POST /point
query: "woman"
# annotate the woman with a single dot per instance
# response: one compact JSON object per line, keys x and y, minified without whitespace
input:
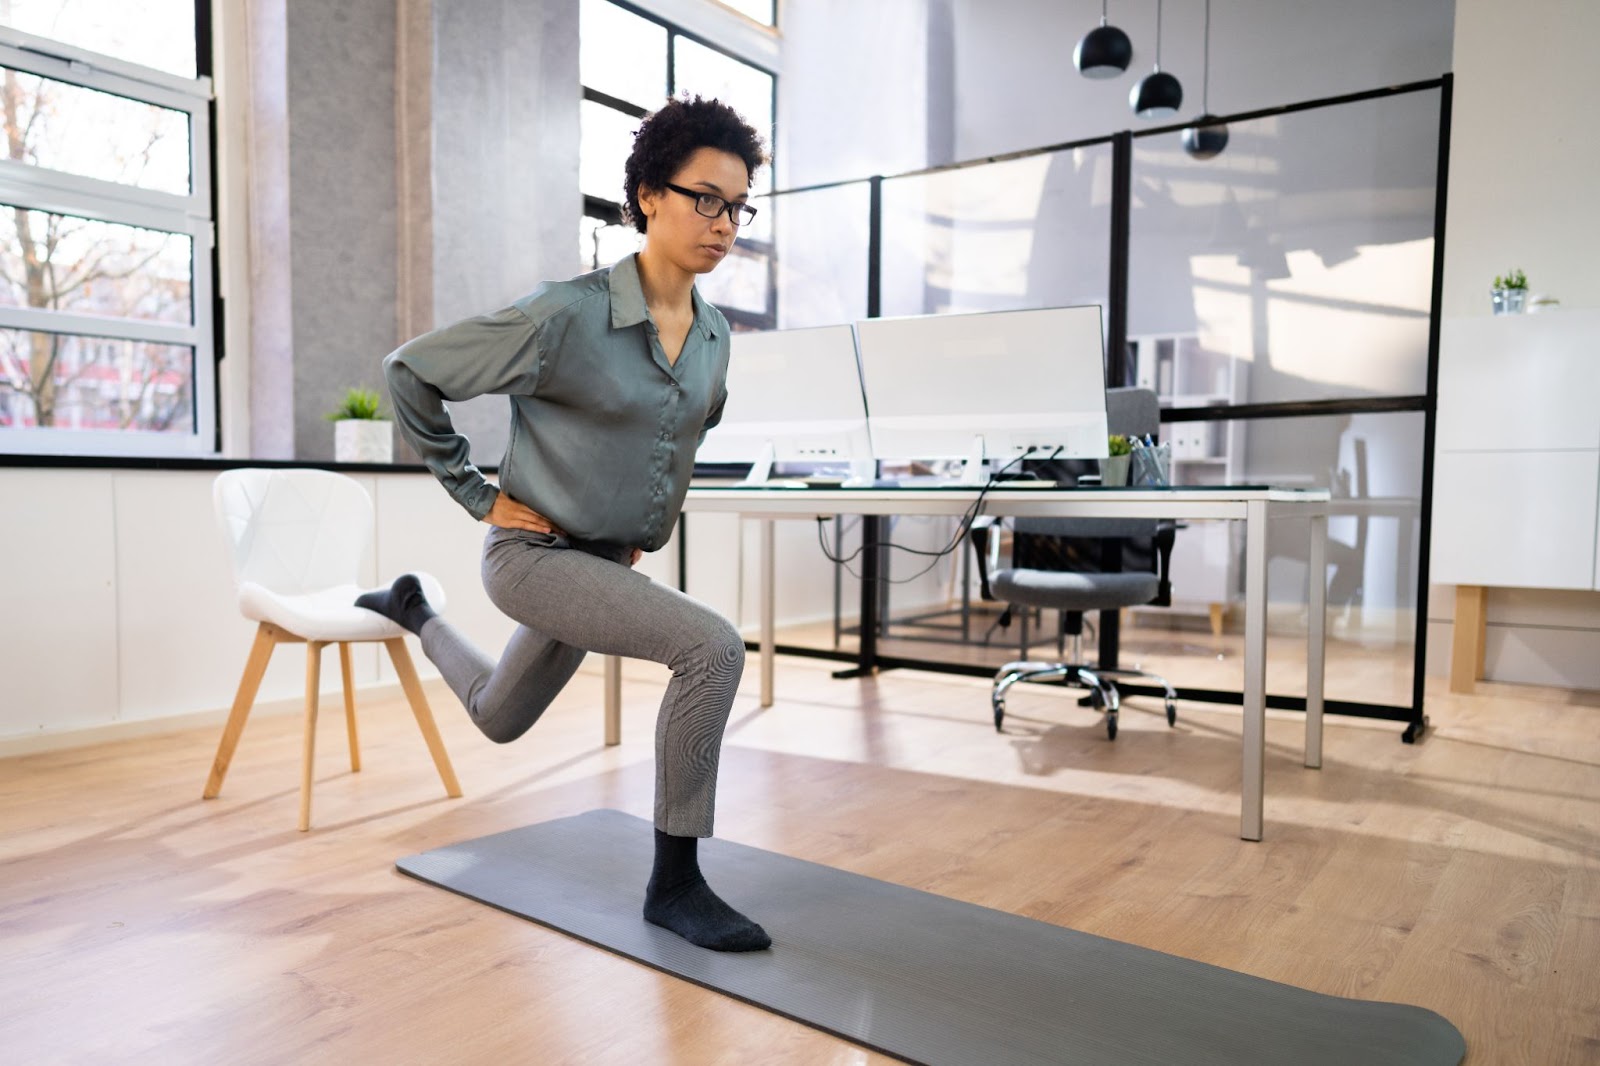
{"x":614,"y":377}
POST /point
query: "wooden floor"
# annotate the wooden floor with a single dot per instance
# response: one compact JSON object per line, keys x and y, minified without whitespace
{"x":142,"y":924}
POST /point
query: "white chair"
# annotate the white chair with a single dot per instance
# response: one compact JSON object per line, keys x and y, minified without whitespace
{"x":296,"y":539}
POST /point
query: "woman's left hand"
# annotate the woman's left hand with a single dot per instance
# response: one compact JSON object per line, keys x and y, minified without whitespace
{"x":633,"y":560}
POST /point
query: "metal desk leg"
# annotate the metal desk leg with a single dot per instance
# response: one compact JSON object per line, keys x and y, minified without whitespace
{"x":613,"y":671}
{"x":1316,"y":638}
{"x":769,"y":637}
{"x":1253,"y":740}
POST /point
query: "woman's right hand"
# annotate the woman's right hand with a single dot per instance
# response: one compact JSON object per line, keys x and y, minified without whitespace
{"x":509,"y":514}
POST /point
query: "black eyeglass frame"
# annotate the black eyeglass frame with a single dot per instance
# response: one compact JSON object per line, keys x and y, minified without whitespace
{"x":732,"y":208}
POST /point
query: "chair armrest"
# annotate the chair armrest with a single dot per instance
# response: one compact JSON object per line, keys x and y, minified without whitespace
{"x":1166,"y":533}
{"x":980,"y":536}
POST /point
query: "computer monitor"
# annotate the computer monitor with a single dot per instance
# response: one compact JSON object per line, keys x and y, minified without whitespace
{"x":794,"y":396}
{"x":988,"y":385}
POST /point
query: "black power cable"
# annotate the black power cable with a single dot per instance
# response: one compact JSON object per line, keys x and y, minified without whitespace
{"x":962,"y":529}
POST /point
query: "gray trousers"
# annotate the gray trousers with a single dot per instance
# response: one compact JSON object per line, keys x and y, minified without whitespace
{"x":570,"y":598}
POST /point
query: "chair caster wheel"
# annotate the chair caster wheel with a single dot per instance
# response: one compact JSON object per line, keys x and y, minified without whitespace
{"x":1172,"y":713}
{"x":999,"y":716}
{"x":1111,"y":726}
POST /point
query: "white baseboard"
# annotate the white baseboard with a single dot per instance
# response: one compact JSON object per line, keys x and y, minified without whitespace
{"x":215,"y":718}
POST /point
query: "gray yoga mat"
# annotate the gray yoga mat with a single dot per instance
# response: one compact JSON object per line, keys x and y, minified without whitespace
{"x":921,"y":977}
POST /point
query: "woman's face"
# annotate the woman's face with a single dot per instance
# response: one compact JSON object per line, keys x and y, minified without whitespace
{"x":676,"y":230}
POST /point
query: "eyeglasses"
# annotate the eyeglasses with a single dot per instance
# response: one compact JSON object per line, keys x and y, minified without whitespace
{"x":711,"y":205}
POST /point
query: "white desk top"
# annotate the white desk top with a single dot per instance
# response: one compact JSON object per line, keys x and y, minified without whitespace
{"x":1223,"y":501}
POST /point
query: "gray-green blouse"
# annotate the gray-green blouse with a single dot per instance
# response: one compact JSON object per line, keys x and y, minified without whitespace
{"x":603,"y":429}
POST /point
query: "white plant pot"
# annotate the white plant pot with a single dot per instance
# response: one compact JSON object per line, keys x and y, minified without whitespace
{"x":363,"y":440}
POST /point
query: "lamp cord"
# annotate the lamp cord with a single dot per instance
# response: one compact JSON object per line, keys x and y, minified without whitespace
{"x":1158,"y":35}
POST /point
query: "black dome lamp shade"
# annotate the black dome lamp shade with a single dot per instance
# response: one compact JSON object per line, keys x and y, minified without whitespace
{"x":1159,"y":95}
{"x":1104,"y":52}
{"x":1206,"y":138}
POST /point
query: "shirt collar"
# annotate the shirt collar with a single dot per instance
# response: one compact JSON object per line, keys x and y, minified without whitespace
{"x":627,"y":300}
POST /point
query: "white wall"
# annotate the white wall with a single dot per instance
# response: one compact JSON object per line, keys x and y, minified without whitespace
{"x":120,"y":607}
{"x":1523,"y":154}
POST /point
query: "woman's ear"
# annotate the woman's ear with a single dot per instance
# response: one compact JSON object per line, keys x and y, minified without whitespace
{"x":648,"y":198}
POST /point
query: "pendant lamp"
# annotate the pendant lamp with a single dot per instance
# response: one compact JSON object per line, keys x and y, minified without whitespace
{"x":1159,"y":95}
{"x":1206,"y":139}
{"x":1104,"y":52}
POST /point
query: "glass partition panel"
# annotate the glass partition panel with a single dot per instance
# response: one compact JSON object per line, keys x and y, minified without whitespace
{"x":1022,"y":233}
{"x":820,"y":248}
{"x":1296,"y":265}
{"x":1372,"y":465}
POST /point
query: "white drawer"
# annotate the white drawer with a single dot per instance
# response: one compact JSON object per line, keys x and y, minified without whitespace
{"x":1523,"y":519}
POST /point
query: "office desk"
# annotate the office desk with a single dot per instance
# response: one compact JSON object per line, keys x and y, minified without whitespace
{"x":1255,"y":506}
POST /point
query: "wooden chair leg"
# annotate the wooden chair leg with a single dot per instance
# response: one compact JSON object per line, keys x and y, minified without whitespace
{"x":1467,"y":642}
{"x":419,"y":707}
{"x":243,"y":700}
{"x":350,"y":706}
{"x":313,"y":684}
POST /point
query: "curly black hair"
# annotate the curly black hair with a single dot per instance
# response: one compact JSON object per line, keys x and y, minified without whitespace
{"x":671,"y":135}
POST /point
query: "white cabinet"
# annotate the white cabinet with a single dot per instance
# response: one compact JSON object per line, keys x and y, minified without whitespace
{"x":1517,"y":452}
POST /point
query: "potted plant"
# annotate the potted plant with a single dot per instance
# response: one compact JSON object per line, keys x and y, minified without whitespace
{"x":1114,"y":471}
{"x":1509,"y":293}
{"x":360,"y":432}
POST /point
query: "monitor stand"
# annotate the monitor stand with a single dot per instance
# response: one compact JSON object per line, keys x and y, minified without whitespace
{"x":972,"y":472}
{"x":761,"y":469}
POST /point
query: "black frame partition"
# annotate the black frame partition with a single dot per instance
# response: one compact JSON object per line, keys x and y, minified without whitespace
{"x":866,"y":659}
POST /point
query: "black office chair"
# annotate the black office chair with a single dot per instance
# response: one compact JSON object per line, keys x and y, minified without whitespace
{"x":1058,"y":564}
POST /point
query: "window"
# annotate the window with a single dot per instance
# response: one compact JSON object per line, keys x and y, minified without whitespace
{"x":630,"y":62}
{"x":106,"y":259}
{"x":762,"y":11}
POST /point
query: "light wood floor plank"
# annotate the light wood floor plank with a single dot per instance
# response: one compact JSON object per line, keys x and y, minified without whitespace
{"x":141,"y":924}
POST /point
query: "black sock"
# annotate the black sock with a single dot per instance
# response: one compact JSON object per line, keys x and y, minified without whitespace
{"x":679,"y":899}
{"x":402,"y":603}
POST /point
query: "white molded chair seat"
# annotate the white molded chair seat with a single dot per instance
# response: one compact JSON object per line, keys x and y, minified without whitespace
{"x":297,"y":538}
{"x":329,"y":614}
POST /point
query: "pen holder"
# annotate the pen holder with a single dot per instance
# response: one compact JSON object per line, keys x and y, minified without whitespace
{"x":1152,"y":466}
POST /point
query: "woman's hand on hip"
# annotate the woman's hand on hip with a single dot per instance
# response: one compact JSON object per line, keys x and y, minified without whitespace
{"x":509,"y":514}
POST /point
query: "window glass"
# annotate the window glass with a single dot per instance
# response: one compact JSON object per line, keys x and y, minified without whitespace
{"x":152,"y":33}
{"x":706,"y":72}
{"x":601,"y":244}
{"x":97,"y":135}
{"x":607,"y":139}
{"x":60,"y":263}
{"x":622,"y":54}
{"x":72,"y":382}
{"x":761,"y":11}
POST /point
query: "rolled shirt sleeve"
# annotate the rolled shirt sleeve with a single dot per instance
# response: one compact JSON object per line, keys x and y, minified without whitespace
{"x":488,"y":354}
{"x":713,"y":418}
